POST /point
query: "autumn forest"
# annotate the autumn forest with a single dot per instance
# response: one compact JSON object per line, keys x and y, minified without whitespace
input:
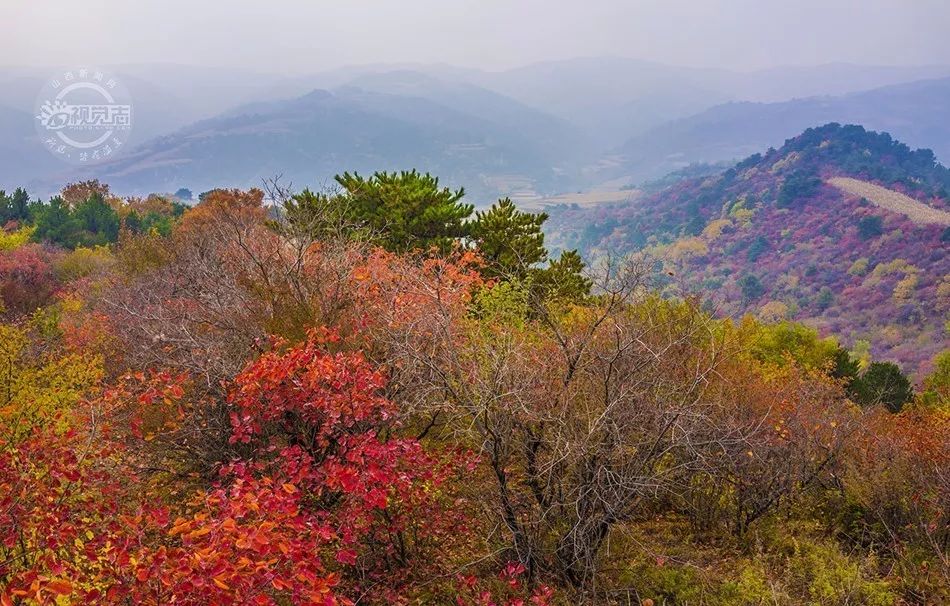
{"x":372,"y":393}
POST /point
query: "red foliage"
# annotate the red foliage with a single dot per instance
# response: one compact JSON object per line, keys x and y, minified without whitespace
{"x":326,"y":499}
{"x":61,"y":528}
{"x":26,"y":278}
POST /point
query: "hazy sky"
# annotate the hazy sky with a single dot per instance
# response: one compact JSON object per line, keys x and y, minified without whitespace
{"x":296,"y":36}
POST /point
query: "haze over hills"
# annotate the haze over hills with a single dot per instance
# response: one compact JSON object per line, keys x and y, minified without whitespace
{"x":534,"y":131}
{"x":842,"y":228}
{"x":311,"y":138}
{"x":617,"y":98}
{"x":917,"y":113}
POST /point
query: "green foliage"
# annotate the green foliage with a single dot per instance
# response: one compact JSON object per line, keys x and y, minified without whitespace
{"x":824,"y":576}
{"x":778,"y":343}
{"x":936,"y":391}
{"x":870,"y":227}
{"x":758,"y":247}
{"x":505,"y":304}
{"x":317,"y":215}
{"x":751,"y":288}
{"x":825,"y":298}
{"x":15,"y":207}
{"x":151,"y":222}
{"x":751,"y":588}
{"x":669,"y":584}
{"x":406,"y":210}
{"x":510,"y":241}
{"x":92,"y":222}
{"x":845,"y":367}
{"x":798,"y":187}
{"x":882,"y":383}
{"x":563,"y":279}
{"x":97,"y":221}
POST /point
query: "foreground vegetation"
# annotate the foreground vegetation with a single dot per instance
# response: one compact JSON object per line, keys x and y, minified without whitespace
{"x":374,"y":396}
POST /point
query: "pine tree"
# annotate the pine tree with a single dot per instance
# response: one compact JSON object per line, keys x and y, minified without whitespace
{"x":563,"y":279}
{"x":406,"y":210}
{"x":510,"y":241}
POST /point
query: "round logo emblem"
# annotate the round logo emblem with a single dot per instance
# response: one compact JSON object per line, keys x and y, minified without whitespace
{"x":84,"y":116}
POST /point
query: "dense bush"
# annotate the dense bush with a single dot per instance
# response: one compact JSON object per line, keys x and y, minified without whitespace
{"x":271,"y":408}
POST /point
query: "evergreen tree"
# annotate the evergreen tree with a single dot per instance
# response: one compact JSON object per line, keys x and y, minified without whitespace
{"x":132,"y":222}
{"x":882,"y":383}
{"x":563,"y":279}
{"x":5,"y":208}
{"x":98,"y":222}
{"x":510,"y":241}
{"x":20,"y":205}
{"x":15,"y":207}
{"x":751,"y":288}
{"x":92,"y":222}
{"x":316,"y":215}
{"x":406,"y":210}
{"x":54,"y":223}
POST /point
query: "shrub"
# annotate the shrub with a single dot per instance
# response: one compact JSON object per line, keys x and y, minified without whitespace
{"x":870,"y":227}
{"x":27,"y":280}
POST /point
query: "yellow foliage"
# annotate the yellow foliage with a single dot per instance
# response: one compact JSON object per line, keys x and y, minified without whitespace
{"x":785,"y":162}
{"x":687,"y":247}
{"x":773,"y":311}
{"x":862,"y":352}
{"x":715,"y":228}
{"x":859,"y":267}
{"x":743,"y":216}
{"x":943,"y":293}
{"x":36,"y":385}
{"x":904,"y":290}
{"x":895,"y":266}
{"x":84,"y":262}
{"x":16,"y":239}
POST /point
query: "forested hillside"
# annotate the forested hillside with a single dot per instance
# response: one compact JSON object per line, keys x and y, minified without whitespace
{"x":379,"y":396}
{"x":842,"y":228}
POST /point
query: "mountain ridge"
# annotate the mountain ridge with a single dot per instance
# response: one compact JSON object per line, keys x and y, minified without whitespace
{"x":771,"y":237}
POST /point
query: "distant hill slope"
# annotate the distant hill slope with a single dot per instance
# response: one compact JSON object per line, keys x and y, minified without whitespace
{"x":615,"y":98}
{"x":772,"y":237}
{"x":311,"y":138}
{"x":579,"y":110}
{"x":917,"y":113}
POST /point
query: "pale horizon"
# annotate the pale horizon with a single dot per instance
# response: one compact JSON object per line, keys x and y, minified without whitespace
{"x":738,"y":35}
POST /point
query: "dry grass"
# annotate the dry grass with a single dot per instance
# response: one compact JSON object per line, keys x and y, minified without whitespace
{"x":888,"y":199}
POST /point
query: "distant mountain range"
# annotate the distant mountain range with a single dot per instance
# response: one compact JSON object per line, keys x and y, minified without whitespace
{"x":840,"y":227}
{"x":542,"y":129}
{"x":311,"y":138}
{"x":916,"y":112}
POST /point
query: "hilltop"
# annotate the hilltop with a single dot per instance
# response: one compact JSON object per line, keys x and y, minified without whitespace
{"x":314,"y":136}
{"x":841,"y":227}
{"x":917,"y":113}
